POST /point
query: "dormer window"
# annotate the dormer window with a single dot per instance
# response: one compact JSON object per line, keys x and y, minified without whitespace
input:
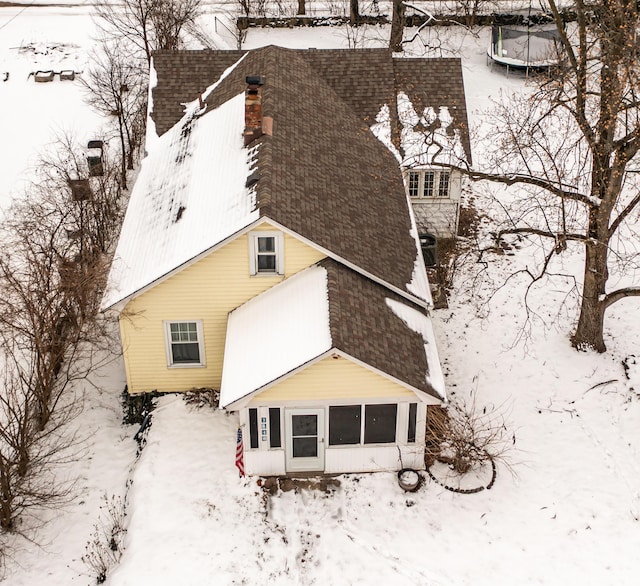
{"x":428,"y":183}
{"x":266,"y":253}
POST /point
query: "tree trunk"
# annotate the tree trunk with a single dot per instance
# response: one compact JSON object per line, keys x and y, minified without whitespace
{"x":354,"y":13}
{"x":397,"y":26}
{"x":123,"y":151}
{"x":589,"y":331}
{"x":6,"y":495}
{"x":302,"y":8}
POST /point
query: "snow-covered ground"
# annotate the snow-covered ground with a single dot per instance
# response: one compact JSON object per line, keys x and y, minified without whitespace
{"x":34,"y":115}
{"x":569,"y":513}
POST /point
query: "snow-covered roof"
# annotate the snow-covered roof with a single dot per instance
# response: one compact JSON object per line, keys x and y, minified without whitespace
{"x":328,"y":307}
{"x":427,"y":137}
{"x":189,"y":196}
{"x":421,"y":324}
{"x":322,"y":174}
{"x":275,"y":333}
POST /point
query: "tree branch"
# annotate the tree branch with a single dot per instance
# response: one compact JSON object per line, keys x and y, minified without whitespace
{"x":615,"y":296}
{"x":567,"y":192}
{"x":624,"y":214}
{"x":543,"y":233}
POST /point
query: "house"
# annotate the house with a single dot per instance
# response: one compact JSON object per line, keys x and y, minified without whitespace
{"x":269,"y":251}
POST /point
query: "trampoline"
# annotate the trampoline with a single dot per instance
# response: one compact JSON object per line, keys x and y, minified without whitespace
{"x":524,"y":41}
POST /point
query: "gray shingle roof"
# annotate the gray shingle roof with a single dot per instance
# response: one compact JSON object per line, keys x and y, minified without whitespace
{"x":326,"y":176}
{"x":365,"y":79}
{"x":323,"y":174}
{"x":363,"y":326}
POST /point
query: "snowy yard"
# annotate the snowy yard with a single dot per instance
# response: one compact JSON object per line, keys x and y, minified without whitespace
{"x":567,"y":513}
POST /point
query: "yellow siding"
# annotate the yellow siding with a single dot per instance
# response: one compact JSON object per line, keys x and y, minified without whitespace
{"x":333,"y":379}
{"x":207,"y":290}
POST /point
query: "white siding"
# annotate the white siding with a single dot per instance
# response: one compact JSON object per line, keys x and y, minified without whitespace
{"x":373,"y":459}
{"x":266,"y":461}
{"x":440,"y":216}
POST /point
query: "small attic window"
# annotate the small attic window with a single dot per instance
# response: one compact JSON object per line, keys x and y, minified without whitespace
{"x":266,"y":253}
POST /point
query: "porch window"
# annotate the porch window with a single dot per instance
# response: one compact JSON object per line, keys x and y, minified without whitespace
{"x":266,"y":253}
{"x":253,"y":428}
{"x":413,"y":416}
{"x":275,"y":434}
{"x":184,"y":341}
{"x":344,"y":425}
{"x":380,"y":423}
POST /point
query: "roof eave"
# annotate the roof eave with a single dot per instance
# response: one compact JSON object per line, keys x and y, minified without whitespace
{"x":428,"y":397}
{"x":122,"y":302}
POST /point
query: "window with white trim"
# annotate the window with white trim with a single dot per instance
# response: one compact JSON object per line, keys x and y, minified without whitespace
{"x":362,"y":424}
{"x":185,"y":343}
{"x":266,"y":253}
{"x":413,"y":420}
{"x":428,"y":183}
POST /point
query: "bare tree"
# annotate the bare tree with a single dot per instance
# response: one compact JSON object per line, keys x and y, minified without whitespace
{"x":117,"y":87}
{"x":29,"y":457}
{"x":151,"y":25}
{"x":130,"y":21}
{"x":52,"y":269}
{"x":571,"y":147}
{"x":467,"y":437}
{"x":53,"y":266}
{"x":171,"y":19}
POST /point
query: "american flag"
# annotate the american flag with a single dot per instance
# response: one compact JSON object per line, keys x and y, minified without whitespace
{"x":240,"y":453}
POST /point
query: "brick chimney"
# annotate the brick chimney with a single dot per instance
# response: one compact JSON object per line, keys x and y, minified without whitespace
{"x":253,"y":109}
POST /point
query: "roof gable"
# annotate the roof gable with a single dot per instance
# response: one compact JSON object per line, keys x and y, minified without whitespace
{"x":276,"y":332}
{"x":176,"y":211}
{"x":327,"y":308}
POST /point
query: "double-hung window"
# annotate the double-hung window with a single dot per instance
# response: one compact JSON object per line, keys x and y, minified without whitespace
{"x":428,"y":183}
{"x":266,"y":253}
{"x":185,"y":343}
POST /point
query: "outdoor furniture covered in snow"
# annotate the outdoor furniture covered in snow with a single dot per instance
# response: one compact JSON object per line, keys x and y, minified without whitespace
{"x":43,"y":76}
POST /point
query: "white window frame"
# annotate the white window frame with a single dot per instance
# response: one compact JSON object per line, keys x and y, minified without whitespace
{"x":253,"y":252}
{"x":169,"y":346}
{"x":438,"y":175}
{"x":400,"y":423}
